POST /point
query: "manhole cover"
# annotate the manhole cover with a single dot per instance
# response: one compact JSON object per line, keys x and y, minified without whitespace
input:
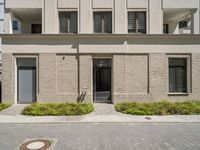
{"x":37,"y":144}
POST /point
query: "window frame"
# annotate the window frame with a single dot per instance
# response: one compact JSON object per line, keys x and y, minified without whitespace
{"x":188,"y":74}
{"x":102,"y":13}
{"x":136,"y":21}
{"x":68,"y":13}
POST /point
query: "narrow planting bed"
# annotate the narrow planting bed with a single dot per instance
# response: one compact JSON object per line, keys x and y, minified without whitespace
{"x":4,"y":106}
{"x":58,"y":109}
{"x":159,"y":108}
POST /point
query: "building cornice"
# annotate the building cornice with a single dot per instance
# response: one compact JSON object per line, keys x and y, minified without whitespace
{"x":100,"y":35}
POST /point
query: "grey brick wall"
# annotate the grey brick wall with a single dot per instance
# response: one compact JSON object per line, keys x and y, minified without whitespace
{"x":46,"y":77}
{"x":57,"y":78}
{"x":135,"y":77}
{"x":7,"y":78}
{"x":119,"y":78}
{"x":86,"y":76}
{"x":158,"y":76}
{"x":137,"y":74}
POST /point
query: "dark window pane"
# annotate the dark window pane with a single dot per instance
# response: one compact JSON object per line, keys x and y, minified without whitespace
{"x":97,"y":23}
{"x":141,"y":22}
{"x":73,"y":22}
{"x":108,"y":22}
{"x":172,"y":79}
{"x":166,"y":28}
{"x":136,"y":22}
{"x":63,"y":22}
{"x":177,"y":62}
{"x":15,"y":25}
{"x":36,"y":28}
{"x":177,"y":75}
{"x":103,"y":22}
{"x":101,"y":63}
{"x":181,"y":79}
{"x":131,"y":22}
{"x":183,"y":24}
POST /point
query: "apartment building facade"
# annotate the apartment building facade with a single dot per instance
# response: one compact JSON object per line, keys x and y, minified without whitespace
{"x":101,"y":50}
{"x":1,"y":23}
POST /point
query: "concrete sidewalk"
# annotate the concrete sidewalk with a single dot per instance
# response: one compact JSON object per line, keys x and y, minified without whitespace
{"x":104,"y":113}
{"x":14,"y":110}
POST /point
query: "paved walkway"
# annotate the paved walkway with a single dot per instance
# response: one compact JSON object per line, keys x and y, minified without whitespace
{"x":104,"y":109}
{"x":103,"y":113}
{"x":14,"y":110}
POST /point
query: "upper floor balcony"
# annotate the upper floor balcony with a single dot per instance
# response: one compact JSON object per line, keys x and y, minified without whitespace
{"x":102,"y":16}
{"x":23,"y":16}
{"x":180,"y":16}
{"x":178,"y":21}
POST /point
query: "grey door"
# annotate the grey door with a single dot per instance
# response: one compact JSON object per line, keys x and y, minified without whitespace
{"x":26,"y":84}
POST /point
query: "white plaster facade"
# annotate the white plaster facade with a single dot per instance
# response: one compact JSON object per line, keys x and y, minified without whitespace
{"x":139,"y":61}
{"x":46,"y":13}
{"x":1,"y":26}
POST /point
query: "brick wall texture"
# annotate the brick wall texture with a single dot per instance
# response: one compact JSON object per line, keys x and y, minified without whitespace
{"x":135,"y":77}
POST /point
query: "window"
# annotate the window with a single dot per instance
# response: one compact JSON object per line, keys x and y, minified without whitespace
{"x":183,"y":24}
{"x":103,"y":22}
{"x":136,"y":22}
{"x":178,"y":75}
{"x":15,"y":25}
{"x":68,"y":22}
{"x":166,"y":28}
{"x":36,"y":28}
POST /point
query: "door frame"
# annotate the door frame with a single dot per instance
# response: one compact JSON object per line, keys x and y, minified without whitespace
{"x":111,"y":78}
{"x":26,"y":68}
{"x":15,"y":70}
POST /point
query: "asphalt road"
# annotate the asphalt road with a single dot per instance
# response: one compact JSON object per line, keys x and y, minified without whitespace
{"x":106,"y":136}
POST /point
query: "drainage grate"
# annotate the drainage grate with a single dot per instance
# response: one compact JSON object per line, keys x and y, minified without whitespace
{"x":148,"y":118}
{"x":37,"y":144}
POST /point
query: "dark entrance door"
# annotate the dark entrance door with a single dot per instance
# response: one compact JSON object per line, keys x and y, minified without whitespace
{"x":102,"y":80}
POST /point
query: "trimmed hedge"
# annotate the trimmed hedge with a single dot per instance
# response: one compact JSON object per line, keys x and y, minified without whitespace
{"x":58,"y":109}
{"x":159,"y":108}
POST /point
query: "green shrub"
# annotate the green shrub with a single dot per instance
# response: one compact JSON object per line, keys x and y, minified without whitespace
{"x":58,"y":109}
{"x":4,"y":106}
{"x":159,"y":108}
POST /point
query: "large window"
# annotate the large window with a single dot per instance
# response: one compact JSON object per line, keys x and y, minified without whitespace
{"x":177,"y":75}
{"x":136,"y":22}
{"x":103,"y":22}
{"x":68,"y":22}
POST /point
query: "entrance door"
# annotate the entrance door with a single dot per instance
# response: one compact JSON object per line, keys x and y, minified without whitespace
{"x":26,"y":81}
{"x":102,"y":80}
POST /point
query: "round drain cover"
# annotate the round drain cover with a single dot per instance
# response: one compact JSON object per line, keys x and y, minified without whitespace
{"x":38,"y":144}
{"x":35,"y":145}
